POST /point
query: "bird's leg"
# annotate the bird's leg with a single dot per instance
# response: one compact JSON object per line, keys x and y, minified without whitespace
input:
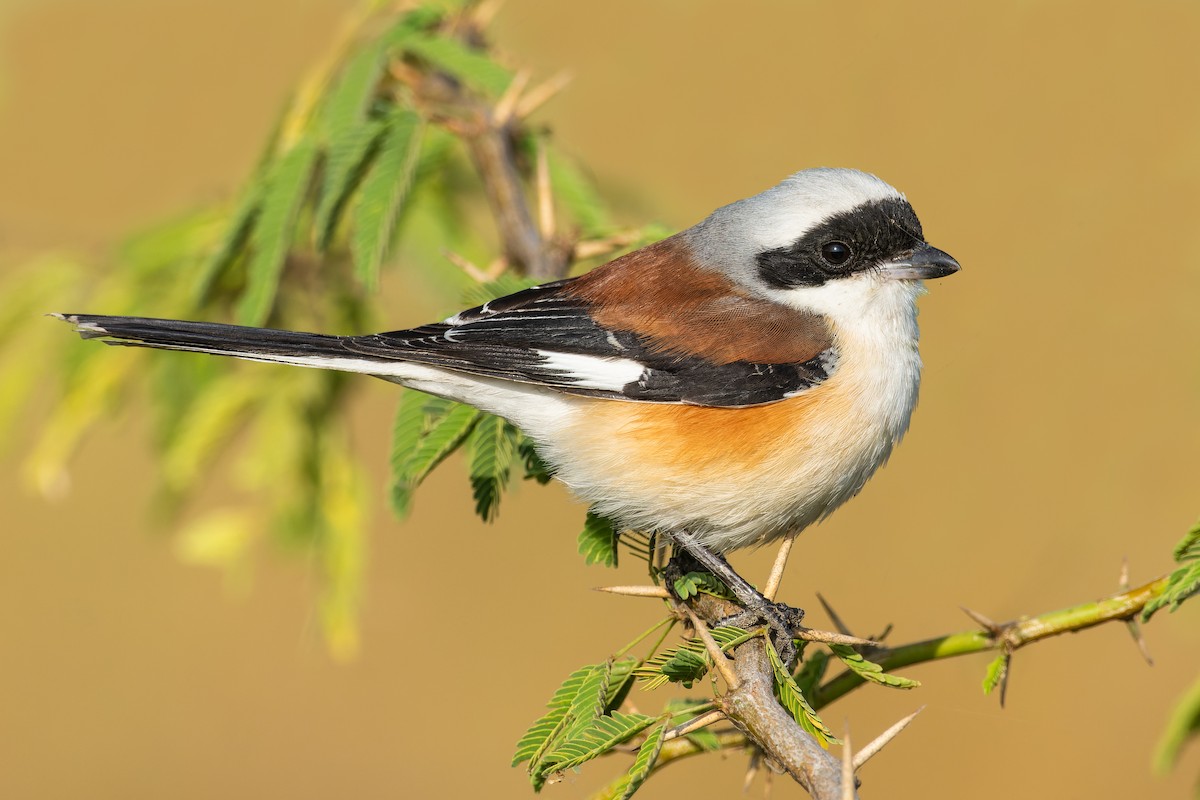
{"x":781,"y":618}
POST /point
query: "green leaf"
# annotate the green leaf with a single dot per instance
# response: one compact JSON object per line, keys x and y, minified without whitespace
{"x":211,"y":418}
{"x":690,"y":661}
{"x":347,"y":160}
{"x":508,"y":283}
{"x":1184,"y":582}
{"x":683,"y":709}
{"x":589,"y":693}
{"x":427,"y":429}
{"x":602,"y":735}
{"x":694,"y":583}
{"x":382,"y":194}
{"x":647,"y":756}
{"x":598,"y":540}
{"x":812,"y":671}
{"x":869,"y":670}
{"x":535,"y":468}
{"x":493,"y":449}
{"x":792,"y":699}
{"x":578,"y":194}
{"x":995,"y":673}
{"x":472,"y":67}
{"x":287,"y":186}
{"x":1183,"y":725}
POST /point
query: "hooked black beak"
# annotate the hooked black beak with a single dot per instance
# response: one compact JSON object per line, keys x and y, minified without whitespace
{"x":924,"y":263}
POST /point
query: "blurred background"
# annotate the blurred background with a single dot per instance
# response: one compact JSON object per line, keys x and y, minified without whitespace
{"x":1050,"y":147}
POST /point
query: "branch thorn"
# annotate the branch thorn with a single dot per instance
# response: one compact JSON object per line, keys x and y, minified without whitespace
{"x":777,"y":568}
{"x":833,"y":616}
{"x":988,"y":625}
{"x":541,"y":93}
{"x":847,"y":765}
{"x":882,"y":740}
{"x":636,"y":591}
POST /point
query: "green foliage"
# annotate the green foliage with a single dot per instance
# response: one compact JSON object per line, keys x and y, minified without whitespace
{"x":598,"y":540}
{"x":493,"y":449}
{"x":468,"y":65}
{"x":690,"y":661}
{"x":427,"y":429}
{"x":647,"y":756}
{"x":1183,"y":725}
{"x":812,"y":671}
{"x":683,"y":709}
{"x":284,"y":191}
{"x":868,"y":670}
{"x":576,"y":712}
{"x":694,"y":583}
{"x":1184,"y":582}
{"x":381,"y":199}
{"x":790,"y":696}
{"x":997,"y":669}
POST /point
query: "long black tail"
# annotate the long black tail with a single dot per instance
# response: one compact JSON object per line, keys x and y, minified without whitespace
{"x":256,"y":344}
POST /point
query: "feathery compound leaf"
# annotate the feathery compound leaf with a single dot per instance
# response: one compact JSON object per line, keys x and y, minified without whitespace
{"x":869,"y":670}
{"x":598,"y":540}
{"x":585,"y":697}
{"x":1183,"y":582}
{"x":493,"y":447}
{"x":384,"y":188}
{"x":646,"y":758}
{"x":469,"y":66}
{"x":602,"y":735}
{"x":810,"y":674}
{"x":793,"y":700}
{"x":347,"y":160}
{"x":273,"y":232}
{"x":427,"y":430}
{"x":689,"y":662}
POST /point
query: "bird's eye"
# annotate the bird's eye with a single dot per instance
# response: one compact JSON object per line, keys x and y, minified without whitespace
{"x":835,"y":253}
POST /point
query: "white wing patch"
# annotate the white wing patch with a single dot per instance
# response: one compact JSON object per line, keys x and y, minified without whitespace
{"x":592,"y":372}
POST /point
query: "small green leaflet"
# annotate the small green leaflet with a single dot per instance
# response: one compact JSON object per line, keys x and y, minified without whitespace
{"x":598,"y":540}
{"x":689,"y":662}
{"x":793,"y":700}
{"x":273,"y":231}
{"x":383,"y":191}
{"x":535,"y":468}
{"x":1183,"y":582}
{"x":492,"y":446}
{"x":694,"y":583}
{"x":869,"y":670}
{"x":995,"y":673}
{"x":427,"y":430}
{"x":471,"y":67}
{"x":347,"y":159}
{"x":646,"y":757}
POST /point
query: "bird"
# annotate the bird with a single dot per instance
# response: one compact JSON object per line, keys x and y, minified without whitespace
{"x":726,"y":386}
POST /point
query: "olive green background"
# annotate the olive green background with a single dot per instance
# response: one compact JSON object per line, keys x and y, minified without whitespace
{"x":1053,"y":148}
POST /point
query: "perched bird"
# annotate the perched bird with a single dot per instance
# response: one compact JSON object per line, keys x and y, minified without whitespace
{"x":727,"y":385}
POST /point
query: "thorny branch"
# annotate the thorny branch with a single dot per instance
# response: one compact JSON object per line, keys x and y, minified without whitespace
{"x":1009,"y":637}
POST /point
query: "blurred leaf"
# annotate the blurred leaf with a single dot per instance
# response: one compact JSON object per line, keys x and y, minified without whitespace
{"x":472,"y":67}
{"x":995,"y":673}
{"x":793,"y":700}
{"x":869,"y":670}
{"x":274,"y":230}
{"x":381,"y":197}
{"x":347,"y":160}
{"x":1183,"y":725}
{"x":812,"y":671}
{"x":343,"y":544}
{"x":427,"y":430}
{"x":211,"y":418}
{"x":598,"y":540}
{"x":492,"y":452}
{"x":1184,"y":582}
{"x":221,"y":539}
